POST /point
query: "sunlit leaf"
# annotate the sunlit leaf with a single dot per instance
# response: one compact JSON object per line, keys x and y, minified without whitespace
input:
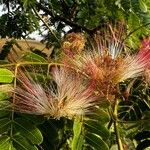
{"x":6,"y":76}
{"x":143,"y":6}
{"x":32,"y":57}
{"x":5,"y":143}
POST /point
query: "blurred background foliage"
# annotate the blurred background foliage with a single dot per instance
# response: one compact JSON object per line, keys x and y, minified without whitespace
{"x":54,"y":19}
{"x":62,"y":16}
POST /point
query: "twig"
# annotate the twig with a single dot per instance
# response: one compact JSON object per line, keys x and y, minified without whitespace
{"x":136,"y":30}
{"x":39,"y":16}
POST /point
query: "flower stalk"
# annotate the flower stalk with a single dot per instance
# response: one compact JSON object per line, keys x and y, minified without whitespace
{"x":116,"y":125}
{"x":14,"y":97}
{"x":77,"y":140}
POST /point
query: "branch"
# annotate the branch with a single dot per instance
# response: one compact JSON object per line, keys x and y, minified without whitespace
{"x":65,"y":20}
{"x":39,"y":16}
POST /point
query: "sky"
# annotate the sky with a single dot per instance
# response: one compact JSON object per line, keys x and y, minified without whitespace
{"x":1,"y":10}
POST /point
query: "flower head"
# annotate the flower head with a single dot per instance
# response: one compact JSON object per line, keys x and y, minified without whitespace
{"x":102,"y":64}
{"x":67,"y":96}
{"x":106,"y":66}
{"x":135,"y":66}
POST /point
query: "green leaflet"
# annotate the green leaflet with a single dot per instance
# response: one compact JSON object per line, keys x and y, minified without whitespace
{"x":28,"y":130}
{"x":25,"y":135}
{"x":5,"y":143}
{"x":21,"y":143}
{"x":96,"y":142}
{"x":27,"y":3}
{"x":3,"y":96}
{"x":97,"y":128}
{"x":3,"y":113}
{"x":6,"y":76}
{"x":32,"y":57}
{"x":143,"y":6}
{"x":101,"y":115}
{"x":4,"y":125}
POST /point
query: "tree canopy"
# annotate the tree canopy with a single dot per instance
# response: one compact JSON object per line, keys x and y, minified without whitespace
{"x":22,"y":17}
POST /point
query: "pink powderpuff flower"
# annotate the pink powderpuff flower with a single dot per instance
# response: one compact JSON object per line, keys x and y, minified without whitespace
{"x":106,"y":65}
{"x":135,"y":66}
{"x":89,"y":65}
{"x":102,"y":71}
{"x":103,"y":61}
{"x":68,"y":95}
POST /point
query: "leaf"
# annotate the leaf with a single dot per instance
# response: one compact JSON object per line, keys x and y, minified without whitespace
{"x":97,"y":128}
{"x":104,"y":103}
{"x":21,"y":143}
{"x":28,"y":130}
{"x":4,"y":125}
{"x":4,"y":142}
{"x":4,"y":113}
{"x":145,"y":121}
{"x":32,"y":57}
{"x":96,"y":142}
{"x":6,"y":76}
{"x":129,"y":110}
{"x":6,"y":87}
{"x":3,"y":96}
{"x":101,"y":115}
{"x":143,"y":6}
{"x":114,"y":147}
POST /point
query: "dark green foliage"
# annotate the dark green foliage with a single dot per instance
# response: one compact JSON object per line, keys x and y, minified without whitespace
{"x":143,"y":140}
{"x":137,"y":103}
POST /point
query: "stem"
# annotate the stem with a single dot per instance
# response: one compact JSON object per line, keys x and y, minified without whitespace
{"x":30,"y":63}
{"x":41,"y":63}
{"x":13,"y":101}
{"x":77,"y":140}
{"x":120,"y":146}
{"x":111,"y":120}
